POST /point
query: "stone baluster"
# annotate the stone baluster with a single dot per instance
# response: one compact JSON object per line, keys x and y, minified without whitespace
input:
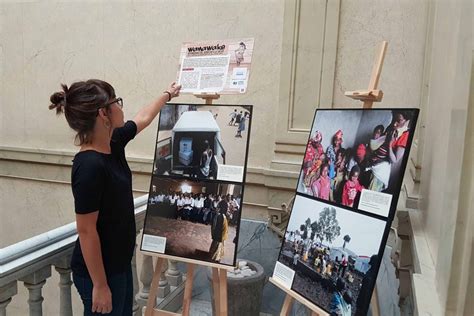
{"x":173,"y":275}
{"x":163,"y":285}
{"x":146,"y":276}
{"x":63,"y":267}
{"x":34,"y":283}
{"x":6,"y":293}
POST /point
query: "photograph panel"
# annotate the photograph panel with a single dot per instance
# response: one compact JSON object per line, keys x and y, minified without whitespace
{"x":357,"y":157}
{"x":193,"y":219}
{"x":333,"y":253}
{"x":203,"y":141}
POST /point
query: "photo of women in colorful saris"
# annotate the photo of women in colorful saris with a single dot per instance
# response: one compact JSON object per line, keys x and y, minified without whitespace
{"x":356,"y":149}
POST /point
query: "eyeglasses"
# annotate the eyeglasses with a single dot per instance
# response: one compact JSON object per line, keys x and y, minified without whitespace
{"x":119,"y":102}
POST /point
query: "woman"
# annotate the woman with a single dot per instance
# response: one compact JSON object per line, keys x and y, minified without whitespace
{"x":314,"y":150}
{"x":205,"y":161}
{"x":399,"y":135}
{"x":239,"y":53}
{"x":336,"y":305}
{"x":219,"y":231}
{"x":337,"y":182}
{"x":102,"y":189}
{"x":352,"y":187}
{"x":379,"y":160}
{"x":241,"y":127}
{"x":321,"y":187}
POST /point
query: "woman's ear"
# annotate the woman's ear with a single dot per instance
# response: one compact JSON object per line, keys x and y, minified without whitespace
{"x":102,"y":112}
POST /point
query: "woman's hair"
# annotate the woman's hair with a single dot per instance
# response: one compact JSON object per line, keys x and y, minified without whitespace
{"x":348,"y":297}
{"x":342,"y":152}
{"x":354,"y":169}
{"x":407,"y":115}
{"x":340,"y":285}
{"x":324,"y":165}
{"x":379,"y":128}
{"x":80,"y":103}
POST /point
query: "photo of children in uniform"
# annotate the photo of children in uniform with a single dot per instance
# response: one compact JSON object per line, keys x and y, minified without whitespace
{"x":205,"y":142}
{"x":351,"y":150}
{"x":198,"y":219}
{"x":334,"y":253}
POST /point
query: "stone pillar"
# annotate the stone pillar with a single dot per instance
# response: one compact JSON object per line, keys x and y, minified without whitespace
{"x":34,"y":283}
{"x":6,"y":293}
{"x":146,"y":275}
{"x":173,"y":275}
{"x":63,"y":267}
{"x":163,"y":285}
{"x":65,"y":304}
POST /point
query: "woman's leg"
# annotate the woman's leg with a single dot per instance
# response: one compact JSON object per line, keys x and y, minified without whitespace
{"x":121,"y":286}
{"x":84,"y":287}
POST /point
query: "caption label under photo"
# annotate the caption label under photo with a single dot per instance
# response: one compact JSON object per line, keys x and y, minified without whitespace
{"x":154,"y":243}
{"x":230,"y":173}
{"x":375,"y":202}
{"x":283,"y":274}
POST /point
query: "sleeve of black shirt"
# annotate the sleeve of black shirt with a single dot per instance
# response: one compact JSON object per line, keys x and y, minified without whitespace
{"x":88,"y":185}
{"x":124,"y":134}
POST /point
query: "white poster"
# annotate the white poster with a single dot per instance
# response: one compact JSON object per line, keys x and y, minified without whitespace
{"x":221,"y":66}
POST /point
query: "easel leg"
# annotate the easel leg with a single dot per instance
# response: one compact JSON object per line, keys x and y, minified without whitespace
{"x":188,"y":289}
{"x":374,"y":303}
{"x":215,"y":288}
{"x":287,"y":304}
{"x":223,"y":291}
{"x":154,"y":287}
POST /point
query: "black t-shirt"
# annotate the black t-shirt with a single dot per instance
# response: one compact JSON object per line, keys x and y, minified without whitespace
{"x":103,"y":182}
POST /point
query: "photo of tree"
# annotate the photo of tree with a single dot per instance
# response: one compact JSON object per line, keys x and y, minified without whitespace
{"x":334,"y":253}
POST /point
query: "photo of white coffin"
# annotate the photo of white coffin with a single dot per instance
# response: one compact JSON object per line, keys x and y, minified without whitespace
{"x":186,"y":144}
{"x":198,"y":121}
{"x":186,"y":157}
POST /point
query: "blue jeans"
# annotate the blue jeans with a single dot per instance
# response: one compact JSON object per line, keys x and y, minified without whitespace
{"x":121,"y":286}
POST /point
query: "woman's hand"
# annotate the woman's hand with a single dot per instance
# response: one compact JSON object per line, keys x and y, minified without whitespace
{"x":146,"y":115}
{"x":101,"y":299}
{"x":174,"y":89}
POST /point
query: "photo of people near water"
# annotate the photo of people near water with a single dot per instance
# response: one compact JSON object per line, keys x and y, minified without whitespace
{"x":203,"y":141}
{"x":193,"y":219}
{"x":356,"y":150}
{"x":334,"y":254}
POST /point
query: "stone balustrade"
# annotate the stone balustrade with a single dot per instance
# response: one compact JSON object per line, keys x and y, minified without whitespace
{"x":31,"y":261}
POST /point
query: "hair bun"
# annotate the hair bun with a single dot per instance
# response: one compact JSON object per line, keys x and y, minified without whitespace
{"x":57,"y":97}
{"x":58,"y":100}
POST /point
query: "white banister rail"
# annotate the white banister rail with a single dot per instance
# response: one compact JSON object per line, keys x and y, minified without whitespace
{"x":30,"y":261}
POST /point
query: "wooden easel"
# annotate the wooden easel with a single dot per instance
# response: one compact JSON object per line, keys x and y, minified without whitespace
{"x":219,"y":273}
{"x":371,"y":95}
{"x":368,"y":97}
{"x":208,"y":97}
{"x":219,"y":285}
{"x":290,"y":298}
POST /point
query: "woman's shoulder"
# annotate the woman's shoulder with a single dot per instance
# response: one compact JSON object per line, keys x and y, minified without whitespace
{"x":89,"y":160}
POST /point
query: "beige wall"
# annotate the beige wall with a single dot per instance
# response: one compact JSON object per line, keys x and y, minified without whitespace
{"x":363,"y":25}
{"x":134,"y":46}
{"x":307,"y":53}
{"x":446,"y":179}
